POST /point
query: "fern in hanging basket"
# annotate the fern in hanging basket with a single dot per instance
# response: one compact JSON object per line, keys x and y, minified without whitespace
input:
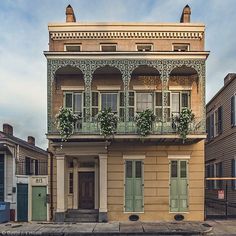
{"x":65,"y":121}
{"x":108,"y":122}
{"x":183,"y":121}
{"x":144,"y":122}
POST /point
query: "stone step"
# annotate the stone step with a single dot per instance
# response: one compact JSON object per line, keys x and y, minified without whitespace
{"x":81,"y":215}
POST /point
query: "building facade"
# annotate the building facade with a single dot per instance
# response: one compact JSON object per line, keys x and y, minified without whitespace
{"x":23,"y":177}
{"x":128,"y":67}
{"x":220,"y":149}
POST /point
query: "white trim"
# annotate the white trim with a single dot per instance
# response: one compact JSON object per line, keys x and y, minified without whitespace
{"x":179,"y":157}
{"x":108,"y":87}
{"x":144,"y":87}
{"x":72,"y":88}
{"x":134,"y":157}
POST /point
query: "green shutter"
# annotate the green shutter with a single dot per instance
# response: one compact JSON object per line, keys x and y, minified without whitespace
{"x":179,"y":186}
{"x":134,"y":186}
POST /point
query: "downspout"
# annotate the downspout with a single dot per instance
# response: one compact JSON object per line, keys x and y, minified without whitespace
{"x":51,"y":185}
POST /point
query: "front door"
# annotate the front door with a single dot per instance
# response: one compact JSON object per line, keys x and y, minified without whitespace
{"x":22,"y":202}
{"x":2,"y":173}
{"x":86,"y":190}
{"x":39,"y":205}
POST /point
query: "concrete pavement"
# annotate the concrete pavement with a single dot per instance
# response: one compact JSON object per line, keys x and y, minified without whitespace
{"x":112,"y":228}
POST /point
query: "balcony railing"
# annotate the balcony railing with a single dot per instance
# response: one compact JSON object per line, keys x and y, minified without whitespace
{"x":129,"y":127}
{"x":32,"y":167}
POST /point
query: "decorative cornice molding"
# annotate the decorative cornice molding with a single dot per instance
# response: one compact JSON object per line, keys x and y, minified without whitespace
{"x":126,"y":35}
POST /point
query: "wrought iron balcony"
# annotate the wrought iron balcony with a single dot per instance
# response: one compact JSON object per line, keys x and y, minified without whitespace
{"x":129,"y":127}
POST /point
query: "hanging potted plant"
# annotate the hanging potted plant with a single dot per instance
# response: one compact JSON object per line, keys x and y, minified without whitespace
{"x":144,"y":122}
{"x":182,"y":122}
{"x":65,"y":121}
{"x":108,"y":122}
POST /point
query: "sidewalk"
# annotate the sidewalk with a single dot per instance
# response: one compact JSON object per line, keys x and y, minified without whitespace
{"x":113,"y":228}
{"x":222,"y":227}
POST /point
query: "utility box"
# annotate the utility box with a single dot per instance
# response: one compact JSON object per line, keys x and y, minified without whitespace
{"x":4,"y":212}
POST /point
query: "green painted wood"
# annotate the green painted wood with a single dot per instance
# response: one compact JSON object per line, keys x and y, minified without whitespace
{"x":134,"y":186}
{"x":179,"y":186}
{"x":39,"y":206}
{"x":2,"y":179}
{"x":22,"y":202}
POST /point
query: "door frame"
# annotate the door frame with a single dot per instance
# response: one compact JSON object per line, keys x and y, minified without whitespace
{"x":87,"y":170}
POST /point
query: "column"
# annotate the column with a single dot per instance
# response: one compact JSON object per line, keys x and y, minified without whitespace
{"x":61,"y":208}
{"x":75,"y":184}
{"x":87,"y":80}
{"x":96,"y":177}
{"x":103,"y":187}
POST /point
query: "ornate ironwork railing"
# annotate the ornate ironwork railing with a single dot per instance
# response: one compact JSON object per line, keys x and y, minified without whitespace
{"x":129,"y":127}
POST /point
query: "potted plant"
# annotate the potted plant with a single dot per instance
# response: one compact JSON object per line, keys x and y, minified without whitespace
{"x":65,"y":121}
{"x":144,"y":122}
{"x":183,"y":121}
{"x":108,"y":122}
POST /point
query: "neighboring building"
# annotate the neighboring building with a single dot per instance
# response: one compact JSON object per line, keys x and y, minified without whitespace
{"x":129,"y":67}
{"x":220,"y":148}
{"x":23,"y":176}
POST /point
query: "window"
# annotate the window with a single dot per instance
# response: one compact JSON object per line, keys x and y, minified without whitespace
{"x":74,"y":102}
{"x":233,"y":173}
{"x":31,"y":166}
{"x":233,"y":110}
{"x":212,"y":126}
{"x":179,"y":100}
{"x":133,"y":186}
{"x":72,"y":47}
{"x":180,"y":47}
{"x":109,"y":100}
{"x":218,"y":121}
{"x":130,"y":105}
{"x":144,"y":47}
{"x":108,"y":47}
{"x":158,"y":106}
{"x":210,"y":173}
{"x":208,"y":127}
{"x":178,"y":186}
{"x":144,"y":101}
{"x":71,"y":182}
{"x":95,"y":104}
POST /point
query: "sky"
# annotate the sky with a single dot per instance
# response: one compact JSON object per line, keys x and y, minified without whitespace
{"x":24,"y":37}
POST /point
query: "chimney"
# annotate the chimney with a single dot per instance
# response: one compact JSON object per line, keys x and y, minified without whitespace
{"x":229,"y":77}
{"x":7,"y":129}
{"x":31,"y":140}
{"x":185,"y":17}
{"x":70,"y":16}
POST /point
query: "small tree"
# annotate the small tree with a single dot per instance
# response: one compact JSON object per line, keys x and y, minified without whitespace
{"x":108,"y":122}
{"x":65,"y":121}
{"x":144,"y":121}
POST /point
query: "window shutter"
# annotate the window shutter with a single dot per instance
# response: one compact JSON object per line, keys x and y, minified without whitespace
{"x":68,"y":100}
{"x":208,"y":127}
{"x":220,"y":118}
{"x":212,"y":125}
{"x":233,"y":173}
{"x":233,"y":110}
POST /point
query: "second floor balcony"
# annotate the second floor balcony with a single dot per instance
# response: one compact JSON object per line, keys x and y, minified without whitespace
{"x":127,"y":91}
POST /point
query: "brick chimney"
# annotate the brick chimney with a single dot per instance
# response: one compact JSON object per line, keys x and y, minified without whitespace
{"x":7,"y":129}
{"x":31,"y":140}
{"x":70,"y":16}
{"x":185,"y":17}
